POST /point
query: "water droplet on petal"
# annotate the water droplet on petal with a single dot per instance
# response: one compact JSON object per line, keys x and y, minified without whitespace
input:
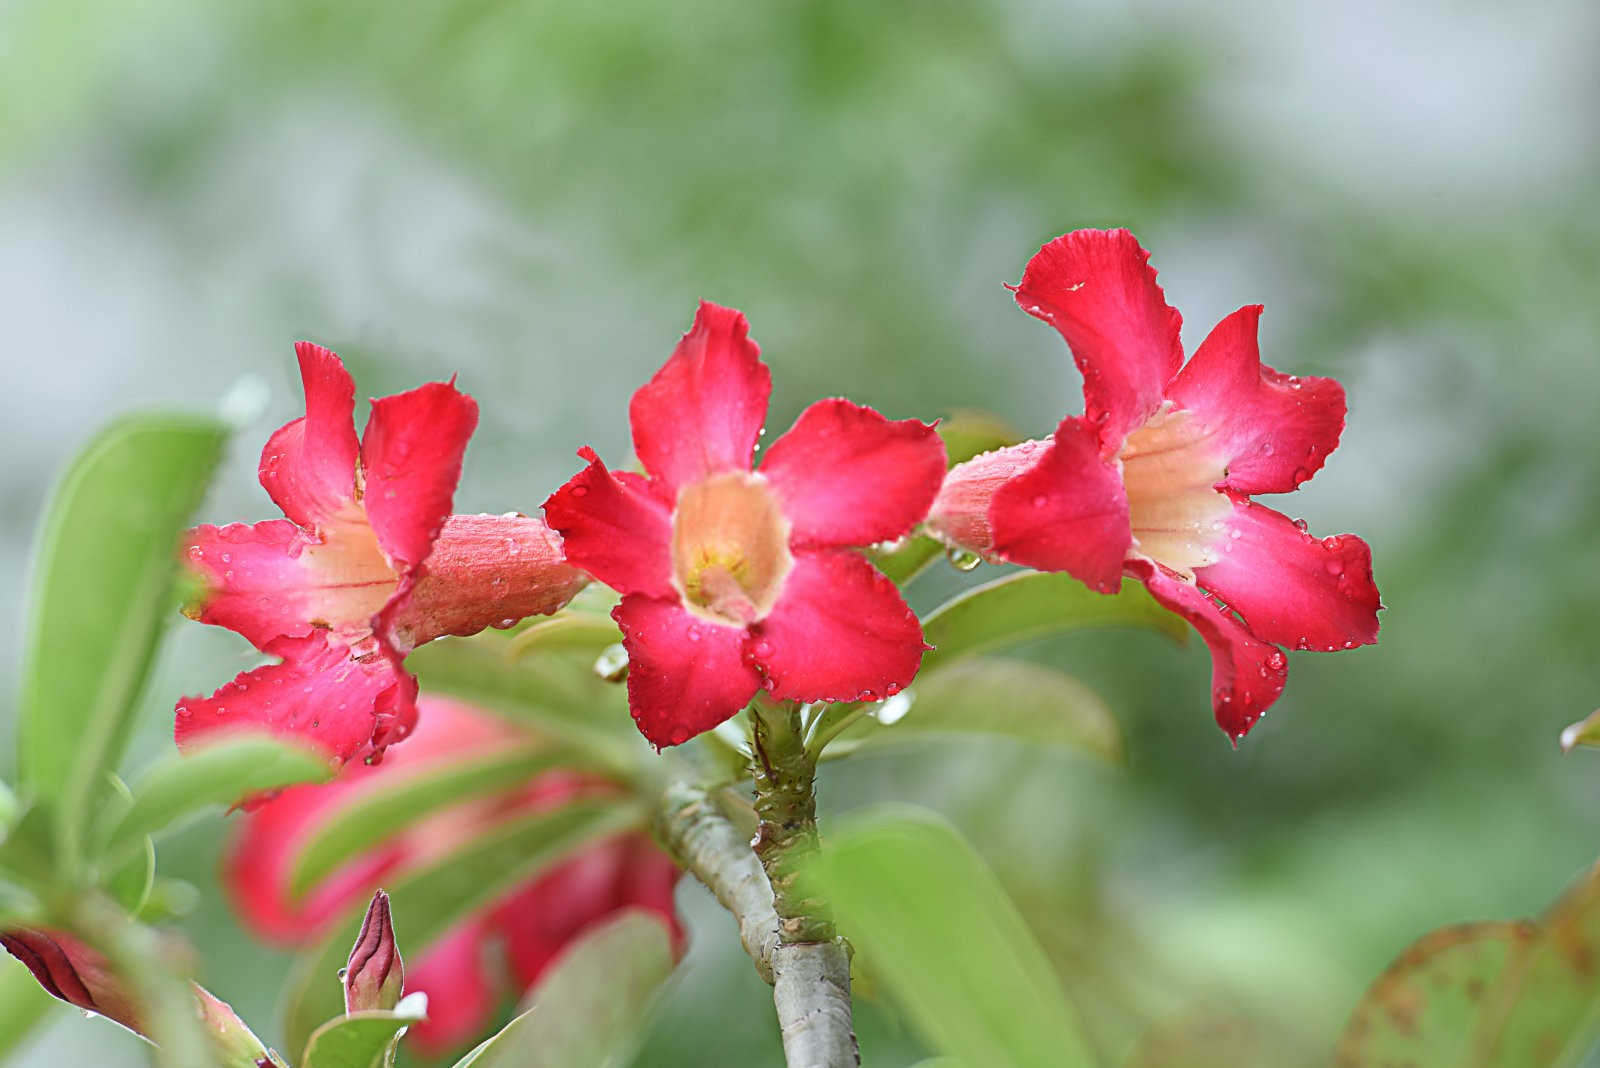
{"x":580,"y":491}
{"x":1301,"y":474}
{"x":1301,"y":525}
{"x":196,"y":553}
{"x":1335,"y":567}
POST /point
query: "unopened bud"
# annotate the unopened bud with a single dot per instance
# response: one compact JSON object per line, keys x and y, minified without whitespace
{"x":73,"y":972}
{"x":375,"y":977}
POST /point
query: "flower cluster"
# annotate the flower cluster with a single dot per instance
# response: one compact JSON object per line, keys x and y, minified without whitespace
{"x":736,"y":579}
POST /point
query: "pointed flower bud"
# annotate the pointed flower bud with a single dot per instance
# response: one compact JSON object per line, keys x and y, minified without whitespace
{"x":73,"y":972}
{"x":376,"y":976}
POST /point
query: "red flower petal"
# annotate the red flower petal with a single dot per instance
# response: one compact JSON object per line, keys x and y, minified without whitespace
{"x":1247,"y":674}
{"x":309,"y":466}
{"x":351,"y":705}
{"x":454,"y":972}
{"x":256,"y":580}
{"x":75,"y":973}
{"x":685,"y":674}
{"x":1068,"y":512}
{"x":486,"y":570}
{"x":703,"y":411}
{"x":1292,"y":588}
{"x":1098,"y":289}
{"x":411,"y":459}
{"x":848,"y":476}
{"x":839,"y":632}
{"x":1274,"y":431}
{"x":615,"y":529}
{"x":960,"y":514}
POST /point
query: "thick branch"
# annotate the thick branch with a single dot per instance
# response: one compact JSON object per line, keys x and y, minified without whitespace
{"x":702,"y":840}
{"x":810,"y":980}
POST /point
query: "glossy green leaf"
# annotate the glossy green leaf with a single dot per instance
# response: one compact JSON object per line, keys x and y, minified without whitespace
{"x":556,"y":692}
{"x":428,"y":901}
{"x":1004,"y":698}
{"x":1033,"y":604}
{"x":908,"y":558}
{"x":947,"y":943}
{"x":210,"y":776}
{"x":590,"y":1008}
{"x":23,"y":1004}
{"x":1545,"y":1009}
{"x":1424,"y":1008}
{"x":100,"y":594}
{"x":397,"y":801}
{"x":362,"y":1039}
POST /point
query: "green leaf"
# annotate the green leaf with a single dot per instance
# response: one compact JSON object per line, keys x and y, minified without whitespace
{"x":99,"y":595}
{"x":948,"y":945}
{"x":1005,"y":698}
{"x":907,"y":559}
{"x":1033,"y":604}
{"x":362,"y":1039}
{"x":968,"y":432}
{"x":426,"y":902}
{"x":590,"y":1007}
{"x":10,"y":808}
{"x":213,"y":775}
{"x":1545,"y":1009}
{"x":23,"y":1004}
{"x":398,"y":801}
{"x":558,"y":693}
{"x":1423,"y":1009}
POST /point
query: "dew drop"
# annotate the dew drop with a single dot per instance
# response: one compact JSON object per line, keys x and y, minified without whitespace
{"x":962,"y":559}
{"x":1235,"y":534}
{"x":1301,"y":525}
{"x":1276,"y":659}
{"x":1335,"y":567}
{"x":1301,"y":474}
{"x":762,"y":648}
{"x":895,"y":708}
{"x":196,"y":553}
{"x":227,"y":558}
{"x":580,"y":491}
{"x":612,"y":663}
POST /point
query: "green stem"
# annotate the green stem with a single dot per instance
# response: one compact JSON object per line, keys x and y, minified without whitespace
{"x":811,"y":968}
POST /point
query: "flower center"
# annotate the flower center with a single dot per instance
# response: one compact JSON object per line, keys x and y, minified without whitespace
{"x":1169,"y":471}
{"x":730,"y":548}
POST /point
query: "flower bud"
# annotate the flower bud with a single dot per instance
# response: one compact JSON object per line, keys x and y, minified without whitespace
{"x":960,"y":514}
{"x":375,"y":976}
{"x":73,"y":972}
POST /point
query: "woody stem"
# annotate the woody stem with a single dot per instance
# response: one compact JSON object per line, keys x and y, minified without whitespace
{"x":810,"y":966}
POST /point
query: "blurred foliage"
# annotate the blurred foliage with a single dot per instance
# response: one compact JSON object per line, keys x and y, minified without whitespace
{"x":535,"y":193}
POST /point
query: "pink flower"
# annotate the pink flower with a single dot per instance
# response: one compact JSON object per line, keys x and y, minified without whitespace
{"x":735,"y":580}
{"x":1154,"y":480}
{"x":368,"y":565}
{"x":527,"y":929}
{"x":375,"y":974}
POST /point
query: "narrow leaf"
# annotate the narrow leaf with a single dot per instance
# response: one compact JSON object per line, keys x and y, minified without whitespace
{"x":428,"y":902}
{"x":1004,"y":698}
{"x":558,"y":692}
{"x":213,"y":776}
{"x":398,"y":801}
{"x":100,"y":593}
{"x":1033,"y":604}
{"x":947,"y":943}
{"x":590,"y":1008}
{"x":362,"y":1039}
{"x":1423,"y":1008}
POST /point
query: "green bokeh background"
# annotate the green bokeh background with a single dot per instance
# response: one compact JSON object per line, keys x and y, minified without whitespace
{"x":534,"y":195}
